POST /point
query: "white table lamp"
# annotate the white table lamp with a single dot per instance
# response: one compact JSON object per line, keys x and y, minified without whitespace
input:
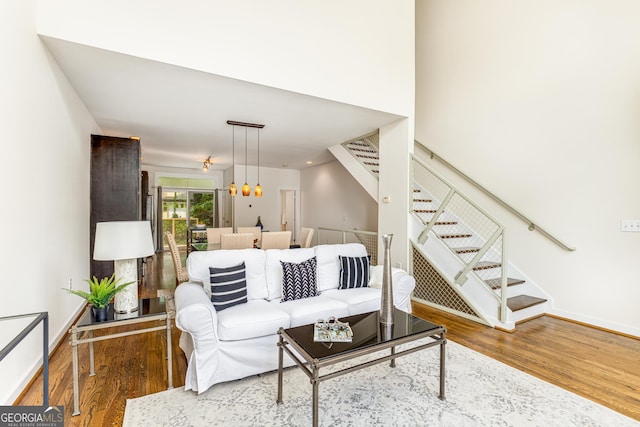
{"x":124,"y":242}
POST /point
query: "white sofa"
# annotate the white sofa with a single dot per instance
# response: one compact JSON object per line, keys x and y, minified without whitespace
{"x":241,"y":340}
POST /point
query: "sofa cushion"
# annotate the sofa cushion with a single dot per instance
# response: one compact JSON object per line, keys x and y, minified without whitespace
{"x":308,"y":310}
{"x":329,"y":265}
{"x":256,"y":318}
{"x":299,"y":280}
{"x":354,"y":272}
{"x":274,"y":269}
{"x":228,"y":286}
{"x":359,"y":300}
{"x":198,"y":263}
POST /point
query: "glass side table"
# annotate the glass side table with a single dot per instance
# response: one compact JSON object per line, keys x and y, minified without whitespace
{"x":149,"y":310}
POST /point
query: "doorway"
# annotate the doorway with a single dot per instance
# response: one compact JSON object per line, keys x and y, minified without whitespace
{"x":288,"y":212}
{"x":185,"y":209}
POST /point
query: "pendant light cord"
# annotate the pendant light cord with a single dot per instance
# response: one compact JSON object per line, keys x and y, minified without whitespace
{"x":246,"y":166}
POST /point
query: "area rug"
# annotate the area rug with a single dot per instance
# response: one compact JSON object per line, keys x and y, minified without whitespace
{"x":480,"y":391}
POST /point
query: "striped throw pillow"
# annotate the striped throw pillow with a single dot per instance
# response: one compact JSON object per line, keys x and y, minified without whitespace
{"x":299,"y":280}
{"x":354,"y":272}
{"x":228,"y":286}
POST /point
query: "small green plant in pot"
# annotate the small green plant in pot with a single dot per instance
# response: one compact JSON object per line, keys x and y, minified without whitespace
{"x":100,"y":294}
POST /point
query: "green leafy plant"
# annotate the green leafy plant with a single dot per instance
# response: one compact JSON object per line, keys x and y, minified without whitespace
{"x":101,"y":292}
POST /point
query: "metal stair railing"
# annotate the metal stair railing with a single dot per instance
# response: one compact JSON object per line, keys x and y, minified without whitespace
{"x":365,"y":150}
{"x":336,"y":235}
{"x":477,"y":239}
{"x":532,"y":225}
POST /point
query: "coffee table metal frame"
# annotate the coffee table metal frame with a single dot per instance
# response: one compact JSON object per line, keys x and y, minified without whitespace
{"x":77,"y":330}
{"x":437,"y":335}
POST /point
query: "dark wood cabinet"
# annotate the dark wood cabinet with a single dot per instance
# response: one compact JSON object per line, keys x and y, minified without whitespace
{"x":115,"y":187}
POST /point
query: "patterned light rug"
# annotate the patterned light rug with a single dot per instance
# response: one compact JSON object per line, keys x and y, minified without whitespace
{"x":479,"y":392}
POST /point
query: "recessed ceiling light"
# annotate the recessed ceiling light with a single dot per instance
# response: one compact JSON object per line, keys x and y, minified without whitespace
{"x":309,"y":162}
{"x":284,"y":165}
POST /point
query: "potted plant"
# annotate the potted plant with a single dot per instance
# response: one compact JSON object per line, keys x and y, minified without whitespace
{"x":100,"y":294}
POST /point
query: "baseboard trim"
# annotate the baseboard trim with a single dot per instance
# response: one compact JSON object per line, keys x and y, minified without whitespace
{"x":591,"y":325}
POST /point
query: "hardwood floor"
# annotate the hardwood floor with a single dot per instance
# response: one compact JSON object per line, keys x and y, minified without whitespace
{"x":598,"y":365}
{"x":595,"y":364}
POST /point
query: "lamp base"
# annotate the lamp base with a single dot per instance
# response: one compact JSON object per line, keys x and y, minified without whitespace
{"x":126,"y":301}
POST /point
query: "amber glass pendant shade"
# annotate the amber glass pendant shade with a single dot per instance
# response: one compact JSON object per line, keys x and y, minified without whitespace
{"x":233,"y":189}
{"x":258,"y":190}
{"x":246,"y":190}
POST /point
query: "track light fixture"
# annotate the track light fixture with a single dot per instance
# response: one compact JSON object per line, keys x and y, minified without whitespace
{"x":208,"y":162}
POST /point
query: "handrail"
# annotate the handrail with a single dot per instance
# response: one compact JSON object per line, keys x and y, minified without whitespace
{"x":367,"y":238}
{"x":532,"y":225}
{"x":490,"y":223}
{"x":351,"y":230}
{"x":44,"y":317}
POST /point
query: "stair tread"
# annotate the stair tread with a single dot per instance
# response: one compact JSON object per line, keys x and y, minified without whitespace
{"x":425,"y":210}
{"x":423,"y":200}
{"x":497,"y":283}
{"x":446,"y":223}
{"x":465,"y":249}
{"x":485,"y":265}
{"x":454,"y":236}
{"x":523,"y":301}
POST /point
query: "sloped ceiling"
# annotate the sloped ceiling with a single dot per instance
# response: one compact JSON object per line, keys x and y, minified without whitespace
{"x":180,"y":114}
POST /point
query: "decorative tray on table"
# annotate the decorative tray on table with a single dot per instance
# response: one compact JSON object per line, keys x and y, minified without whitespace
{"x":332,"y":330}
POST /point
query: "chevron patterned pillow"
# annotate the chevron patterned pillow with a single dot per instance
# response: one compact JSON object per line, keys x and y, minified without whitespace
{"x":299,"y":280}
{"x":228,"y":286}
{"x":354,"y":272}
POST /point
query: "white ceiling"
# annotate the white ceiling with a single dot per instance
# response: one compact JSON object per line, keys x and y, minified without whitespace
{"x":180,"y":114}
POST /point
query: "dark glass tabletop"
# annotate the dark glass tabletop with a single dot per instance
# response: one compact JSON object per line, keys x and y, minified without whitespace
{"x":146,"y":307}
{"x":367,"y":332}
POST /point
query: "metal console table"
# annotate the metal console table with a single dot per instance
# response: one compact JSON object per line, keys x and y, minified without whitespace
{"x":44,"y":317}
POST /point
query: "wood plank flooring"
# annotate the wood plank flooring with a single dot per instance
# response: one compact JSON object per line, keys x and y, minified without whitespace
{"x":598,"y":365}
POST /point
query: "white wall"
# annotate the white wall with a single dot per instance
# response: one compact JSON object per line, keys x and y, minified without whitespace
{"x":247,"y":209}
{"x":539,"y":102}
{"x":45,"y":171}
{"x":396,"y":142}
{"x":331,"y":198}
{"x":311,"y":47}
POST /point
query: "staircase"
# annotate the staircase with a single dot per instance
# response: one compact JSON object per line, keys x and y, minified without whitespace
{"x":458,"y":251}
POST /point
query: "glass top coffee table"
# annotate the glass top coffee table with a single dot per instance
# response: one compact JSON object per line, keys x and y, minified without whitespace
{"x":369,"y":337}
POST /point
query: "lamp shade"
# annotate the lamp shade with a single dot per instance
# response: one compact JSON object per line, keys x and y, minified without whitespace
{"x":118,"y":240}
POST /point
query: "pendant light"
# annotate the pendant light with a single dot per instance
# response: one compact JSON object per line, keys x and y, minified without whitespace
{"x":258,"y":189}
{"x":233,"y":188}
{"x":246,"y":190}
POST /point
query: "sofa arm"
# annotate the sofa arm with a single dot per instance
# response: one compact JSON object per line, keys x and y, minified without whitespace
{"x":197,"y":318}
{"x":403,"y":285}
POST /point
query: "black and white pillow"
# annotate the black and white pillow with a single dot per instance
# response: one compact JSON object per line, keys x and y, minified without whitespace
{"x":299,"y":280}
{"x":354,"y":272}
{"x":228,"y":286}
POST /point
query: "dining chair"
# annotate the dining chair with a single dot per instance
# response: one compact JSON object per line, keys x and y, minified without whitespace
{"x":236,"y":241}
{"x":181,"y":273}
{"x":306,"y":234}
{"x":276,"y":240}
{"x":213,"y":234}
{"x":257,"y":232}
